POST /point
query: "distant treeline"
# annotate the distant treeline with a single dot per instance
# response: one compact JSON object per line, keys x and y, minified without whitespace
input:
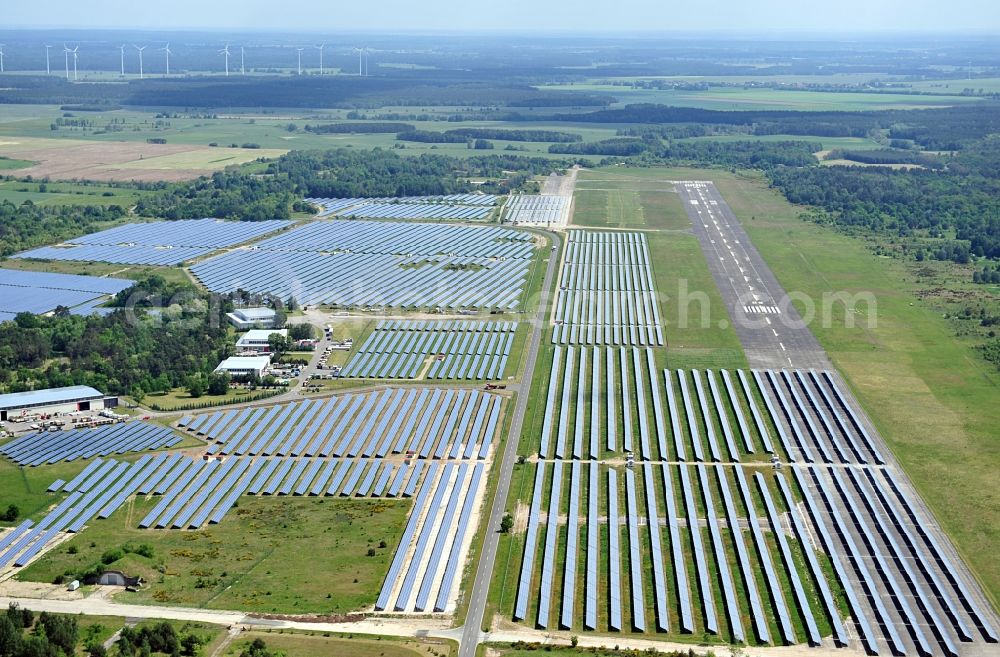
{"x":341,"y":173}
{"x":27,"y":225}
{"x":746,"y":154}
{"x":964,"y":199}
{"x":331,"y":91}
{"x":887,"y":156}
{"x":507,"y":134}
{"x":942,"y":129}
{"x":359,"y":128}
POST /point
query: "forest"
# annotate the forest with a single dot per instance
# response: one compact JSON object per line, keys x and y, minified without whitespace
{"x":342,"y":173}
{"x":114,"y":353}
{"x":28,"y":225}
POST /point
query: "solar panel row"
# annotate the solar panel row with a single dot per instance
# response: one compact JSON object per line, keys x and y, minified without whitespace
{"x":429,"y":423}
{"x":434,"y":541}
{"x":625,"y":410}
{"x":606,"y":293}
{"x":460,"y":350}
{"x":157,"y":243}
{"x":45,"y":447}
{"x":537,"y":210}
{"x":359,"y":206}
{"x":550,"y":574}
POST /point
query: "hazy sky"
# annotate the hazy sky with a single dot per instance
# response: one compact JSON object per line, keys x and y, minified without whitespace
{"x":513,"y":15}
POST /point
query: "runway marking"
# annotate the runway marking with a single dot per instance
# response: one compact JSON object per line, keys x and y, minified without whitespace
{"x":761,"y":309}
{"x":780,"y":344}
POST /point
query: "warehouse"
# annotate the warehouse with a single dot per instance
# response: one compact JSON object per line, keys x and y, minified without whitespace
{"x":256,"y":341}
{"x":53,"y":400}
{"x":244,"y":366}
{"x":252,"y":318}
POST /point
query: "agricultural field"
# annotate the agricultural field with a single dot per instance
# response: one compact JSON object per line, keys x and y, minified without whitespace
{"x":734,"y":98}
{"x":192,"y":135}
{"x":72,"y":159}
{"x":66,"y":193}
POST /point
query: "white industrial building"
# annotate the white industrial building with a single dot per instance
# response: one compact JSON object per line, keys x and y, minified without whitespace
{"x":252,"y":318}
{"x":53,"y":400}
{"x":243,"y":366}
{"x":256,"y":341}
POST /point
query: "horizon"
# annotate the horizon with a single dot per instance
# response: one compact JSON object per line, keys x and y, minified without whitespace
{"x":630,"y":16}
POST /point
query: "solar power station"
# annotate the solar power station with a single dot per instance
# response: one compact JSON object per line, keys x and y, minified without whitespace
{"x":432,"y":445}
{"x":537,"y":210}
{"x":379,"y":263}
{"x":431,"y":424}
{"x":456,"y":207}
{"x":442,"y":350}
{"x":701,"y":443}
{"x":745,"y":506}
{"x":45,"y":448}
{"x":43,"y":292}
{"x":159,"y":243}
{"x":606,"y":294}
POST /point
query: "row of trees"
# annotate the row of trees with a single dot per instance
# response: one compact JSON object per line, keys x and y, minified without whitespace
{"x":27,"y":225}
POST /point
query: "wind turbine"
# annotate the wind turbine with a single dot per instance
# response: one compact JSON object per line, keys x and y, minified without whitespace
{"x":1,"y":57}
{"x":243,"y":70}
{"x":122,"y":49}
{"x":48,"y":69}
{"x":361,"y":54}
{"x":299,"y":49}
{"x":166,"y":50}
{"x":75,"y":55}
{"x":140,"y":58}
{"x":66,"y":52}
{"x":320,"y":48}
{"x":225,"y":51}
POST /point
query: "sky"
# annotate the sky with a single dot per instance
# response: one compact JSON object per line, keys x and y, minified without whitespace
{"x":590,"y":16}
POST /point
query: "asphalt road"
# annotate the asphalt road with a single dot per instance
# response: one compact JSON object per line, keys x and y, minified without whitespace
{"x":768,"y":325}
{"x":472,"y":632}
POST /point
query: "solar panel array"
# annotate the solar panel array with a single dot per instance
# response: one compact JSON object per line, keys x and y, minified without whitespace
{"x":646,"y":550}
{"x":606,"y":292}
{"x":432,"y":424}
{"x":423,"y":575}
{"x":693,"y":433}
{"x":409,"y":349}
{"x":602,"y":401}
{"x":44,"y":447}
{"x":160,"y":243}
{"x":537,"y":210}
{"x":412,"y":206}
{"x":42,"y":292}
{"x":365,"y":263}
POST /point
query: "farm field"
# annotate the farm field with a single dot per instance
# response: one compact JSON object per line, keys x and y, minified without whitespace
{"x":267,"y":130}
{"x":66,"y":193}
{"x":729,"y":98}
{"x":70,"y":159}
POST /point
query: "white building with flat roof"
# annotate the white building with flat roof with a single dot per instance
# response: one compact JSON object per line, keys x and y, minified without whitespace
{"x":242,"y":366}
{"x":252,"y":318}
{"x":255,"y":341}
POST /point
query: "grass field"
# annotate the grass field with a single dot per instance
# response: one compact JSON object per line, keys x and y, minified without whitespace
{"x":309,"y":645}
{"x":736,"y":98}
{"x":7,"y":164}
{"x":252,"y":560}
{"x":66,"y":193}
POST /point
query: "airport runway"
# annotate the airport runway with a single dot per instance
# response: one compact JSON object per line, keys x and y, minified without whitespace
{"x":768,"y":325}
